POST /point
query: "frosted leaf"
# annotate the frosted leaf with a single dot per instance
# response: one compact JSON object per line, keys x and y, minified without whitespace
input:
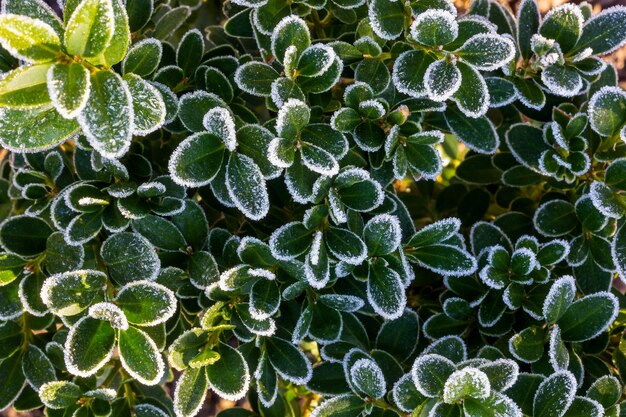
{"x":148,"y":106}
{"x":606,"y":110}
{"x":562,"y":81}
{"x":262,"y":273}
{"x":171,"y":101}
{"x":246,"y":186}
{"x":28,"y":39}
{"x":107,"y":394}
{"x":156,"y":299}
{"x":555,"y":394}
{"x":436,"y":232}
{"x":385,"y":292}
{"x":559,"y":298}
{"x":502,"y":373}
{"x":372,"y":108}
{"x":187,"y":400}
{"x":467,"y":382}
{"x":146,"y":410}
{"x":603,"y":23}
{"x":357,"y":85}
{"x":557,"y":352}
{"x":368,"y":378}
{"x":293,"y":114}
{"x":314,"y":279}
{"x":290,"y":29}
{"x":339,"y":404}
{"x":343,"y":302}
{"x":68,"y":87}
{"x":319,"y":160}
{"x":152,"y":185}
{"x":111,"y":313}
{"x":474,"y":100}
{"x":30,"y":302}
{"x":149,"y":353}
{"x":337,"y":210}
{"x":403,"y":67}
{"x":219,"y":122}
{"x":487,"y":51}
{"x":58,"y":290}
{"x":429,"y":373}
{"x":289,"y":61}
{"x":609,"y":207}
{"x":316,"y":248}
{"x":435,"y":27}
{"x":69,"y":353}
{"x":441,"y":80}
{"x":386,"y":229}
{"x":322,"y":55}
{"x":59,"y":394}
{"x":106,"y":119}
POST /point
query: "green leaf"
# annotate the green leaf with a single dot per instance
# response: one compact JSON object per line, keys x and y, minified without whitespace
{"x":584,"y":407}
{"x":604,"y":32}
{"x":527,"y":144}
{"x":430,"y":373}
{"x":562,"y":80}
{"x":118,"y":46}
{"x":107,"y":119}
{"x":197,"y":160}
{"x":607,"y":110}
{"x":436,"y":232}
{"x":368,"y":378}
{"x":229,"y":377}
{"x":290,"y":240}
{"x":190,"y":50}
{"x":35,"y":9}
{"x":409,"y":70}
{"x":140,"y":356}
{"x":34,"y":130}
{"x":559,"y":299}
{"x":29,"y":39}
{"x":385,"y":291}
{"x":160,"y":232}
{"x":246,"y":186}
{"x":256,"y":78}
{"x":11,"y":267}
{"x":347,"y":405}
{"x":486,"y":51}
{"x":523,"y":391}
{"x":382,"y":234}
{"x":288,"y":361}
{"x":442,"y":80}
{"x":529,"y":92}
{"x":527,"y":345}
{"x":588,"y":317}
{"x":130,"y":257}
{"x":69,"y":293}
{"x":171,"y":21}
{"x":37,"y":368}
{"x":148,"y":106}
{"x":479,"y":134}
{"x":290,"y":31}
{"x":496,"y":405}
{"x":555,"y":218}
{"x":24,"y":235}
{"x":528,"y":19}
{"x":444,"y":259}
{"x":564,"y":24}
{"x":25,"y":87}
{"x":89,"y":30}
{"x":345,"y":245}
{"x":60,"y":394}
{"x":555,"y":395}
{"x":143,"y":57}
{"x":472,"y":97}
{"x":387,"y":18}
{"x":146,"y":303}
{"x":69,"y":85}
{"x":435,"y":27}
{"x":465,"y":383}
{"x":89,"y":346}
{"x":190,"y":392}
{"x":606,"y":390}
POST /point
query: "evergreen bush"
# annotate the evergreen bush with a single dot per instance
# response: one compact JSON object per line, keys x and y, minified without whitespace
{"x":313,"y":207}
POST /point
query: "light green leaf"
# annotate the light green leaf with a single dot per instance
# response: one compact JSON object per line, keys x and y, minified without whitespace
{"x":69,"y":86}
{"x":190,"y":392}
{"x":25,"y":87}
{"x":29,"y":39}
{"x":69,"y":293}
{"x":89,"y":30}
{"x":59,"y":394}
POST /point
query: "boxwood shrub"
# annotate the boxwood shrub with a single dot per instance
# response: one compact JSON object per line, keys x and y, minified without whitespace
{"x":311,"y":208}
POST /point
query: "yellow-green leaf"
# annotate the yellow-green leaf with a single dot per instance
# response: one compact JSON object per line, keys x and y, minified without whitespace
{"x":90,"y":28}
{"x":29,"y":39}
{"x":25,"y":87}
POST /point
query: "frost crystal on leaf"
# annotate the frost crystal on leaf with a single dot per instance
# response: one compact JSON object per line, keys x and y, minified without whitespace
{"x":111,"y":313}
{"x":466,"y":382}
{"x":219,"y":122}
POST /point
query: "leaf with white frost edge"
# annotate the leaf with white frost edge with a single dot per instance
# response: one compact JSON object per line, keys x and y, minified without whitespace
{"x":229,"y":377}
{"x":554,"y":395}
{"x":190,"y":392}
{"x":430,"y":373}
{"x":466,"y":382}
{"x":84,"y":331}
{"x":69,"y":87}
{"x":385,"y":292}
{"x":146,"y":303}
{"x":486,"y":51}
{"x":220,"y":123}
{"x":559,"y":298}
{"x":140,"y":356}
{"x":441,"y":80}
{"x":368,"y":378}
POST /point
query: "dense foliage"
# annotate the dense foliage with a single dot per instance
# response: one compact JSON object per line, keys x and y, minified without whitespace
{"x":335,"y":207}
